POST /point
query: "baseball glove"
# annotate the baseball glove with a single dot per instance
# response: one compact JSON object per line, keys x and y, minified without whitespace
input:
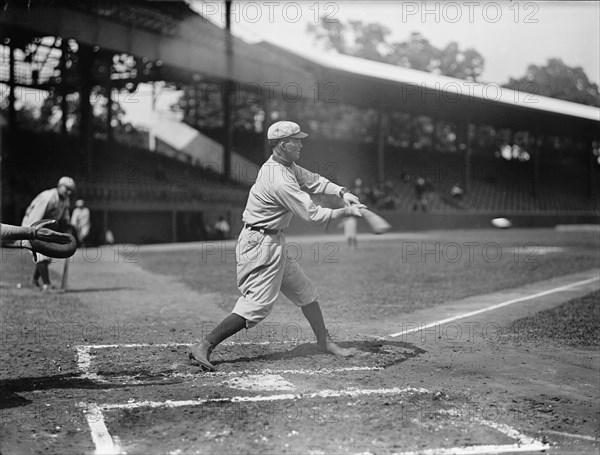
{"x":49,"y":242}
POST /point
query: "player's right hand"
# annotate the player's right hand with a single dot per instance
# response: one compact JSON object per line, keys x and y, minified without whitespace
{"x":354,"y":210}
{"x":350,"y":199}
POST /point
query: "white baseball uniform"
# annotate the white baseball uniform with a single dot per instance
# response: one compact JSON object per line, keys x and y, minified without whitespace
{"x":263,"y":267}
{"x":47,"y":204}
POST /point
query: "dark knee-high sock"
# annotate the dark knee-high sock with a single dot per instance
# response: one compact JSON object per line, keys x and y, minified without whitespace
{"x":42,"y":269}
{"x":231,"y":325}
{"x":314,"y":316}
{"x":36,"y":274}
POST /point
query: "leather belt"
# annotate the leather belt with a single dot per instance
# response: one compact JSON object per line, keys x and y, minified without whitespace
{"x":262,"y":230}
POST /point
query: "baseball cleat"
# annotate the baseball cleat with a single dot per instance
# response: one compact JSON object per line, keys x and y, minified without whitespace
{"x":335,"y":349}
{"x":200,"y":354}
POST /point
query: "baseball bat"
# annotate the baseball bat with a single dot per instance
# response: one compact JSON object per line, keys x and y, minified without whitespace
{"x":377,"y":224}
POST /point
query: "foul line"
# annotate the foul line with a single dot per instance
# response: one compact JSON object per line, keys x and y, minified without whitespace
{"x":571,"y":435}
{"x":494,"y":307}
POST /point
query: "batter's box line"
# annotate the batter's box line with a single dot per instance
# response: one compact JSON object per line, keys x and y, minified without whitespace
{"x":134,"y":380}
{"x":84,"y":360}
{"x":105,"y":443}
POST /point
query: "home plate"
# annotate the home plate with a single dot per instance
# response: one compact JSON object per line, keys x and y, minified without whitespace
{"x":259,"y":382}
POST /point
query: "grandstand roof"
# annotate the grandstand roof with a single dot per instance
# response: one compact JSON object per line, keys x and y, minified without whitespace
{"x":166,"y":31}
{"x":371,"y":83}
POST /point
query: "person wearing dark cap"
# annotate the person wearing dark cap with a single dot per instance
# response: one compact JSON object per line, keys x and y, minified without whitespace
{"x":49,"y":204}
{"x":264,"y":270}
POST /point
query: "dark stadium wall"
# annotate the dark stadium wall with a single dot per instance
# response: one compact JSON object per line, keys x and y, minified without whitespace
{"x":140,"y":227}
{"x":157,"y":226}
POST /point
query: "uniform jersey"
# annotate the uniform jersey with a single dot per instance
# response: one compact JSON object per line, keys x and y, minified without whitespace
{"x":49,"y":205}
{"x":81,"y":220}
{"x":280,"y":191}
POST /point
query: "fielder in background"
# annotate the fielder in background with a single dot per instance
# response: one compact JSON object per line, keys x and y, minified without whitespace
{"x":50,"y":204}
{"x":222,"y":229}
{"x":349,"y":225}
{"x":80,"y":219}
{"x":263,"y":269}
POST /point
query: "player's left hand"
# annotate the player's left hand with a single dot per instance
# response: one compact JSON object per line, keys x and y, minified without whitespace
{"x":41,"y":232}
{"x":350,"y":199}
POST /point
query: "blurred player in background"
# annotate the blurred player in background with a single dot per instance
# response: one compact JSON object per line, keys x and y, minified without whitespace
{"x":49,"y":204}
{"x":80,"y":219}
{"x":263,"y":269}
{"x":420,"y":195}
{"x":222,"y":229}
{"x":349,"y":224}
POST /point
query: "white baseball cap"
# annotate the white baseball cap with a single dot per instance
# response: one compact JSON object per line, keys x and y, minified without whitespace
{"x":67,"y":181}
{"x":281,"y":130}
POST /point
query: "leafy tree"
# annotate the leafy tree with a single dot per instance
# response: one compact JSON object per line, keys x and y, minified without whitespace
{"x":417,"y":53}
{"x":558,"y":80}
{"x":371,"y":41}
{"x":467,"y":64}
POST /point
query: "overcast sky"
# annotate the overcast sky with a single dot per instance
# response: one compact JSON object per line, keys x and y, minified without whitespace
{"x":510,"y":35}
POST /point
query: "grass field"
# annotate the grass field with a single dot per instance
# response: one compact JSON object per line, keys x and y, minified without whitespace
{"x":384,"y":277}
{"x":126,"y":386}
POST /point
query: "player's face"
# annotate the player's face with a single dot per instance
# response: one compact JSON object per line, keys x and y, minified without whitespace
{"x":64,"y":191}
{"x":291,"y":148}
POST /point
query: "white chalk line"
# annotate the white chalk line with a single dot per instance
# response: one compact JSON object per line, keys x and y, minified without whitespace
{"x":84,"y":355}
{"x":481,"y":449}
{"x":571,"y":435}
{"x":524,"y":443}
{"x":84,"y":363}
{"x":218,"y":374}
{"x":494,"y":307}
{"x":106,"y":444}
{"x":103,"y":441}
{"x":349,"y":393}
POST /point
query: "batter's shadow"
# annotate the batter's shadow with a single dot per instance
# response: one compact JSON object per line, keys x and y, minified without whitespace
{"x":380,"y":353}
{"x":11,"y":389}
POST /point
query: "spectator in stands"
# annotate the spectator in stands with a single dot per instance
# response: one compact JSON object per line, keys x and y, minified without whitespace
{"x":221,"y":229}
{"x":109,"y":238}
{"x":387,"y":200}
{"x":420,"y":195}
{"x":357,"y":189}
{"x":50,"y":204}
{"x":456,"y":192}
{"x":80,"y":219}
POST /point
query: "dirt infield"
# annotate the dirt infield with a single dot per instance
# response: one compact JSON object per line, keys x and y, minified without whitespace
{"x":441,"y":367}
